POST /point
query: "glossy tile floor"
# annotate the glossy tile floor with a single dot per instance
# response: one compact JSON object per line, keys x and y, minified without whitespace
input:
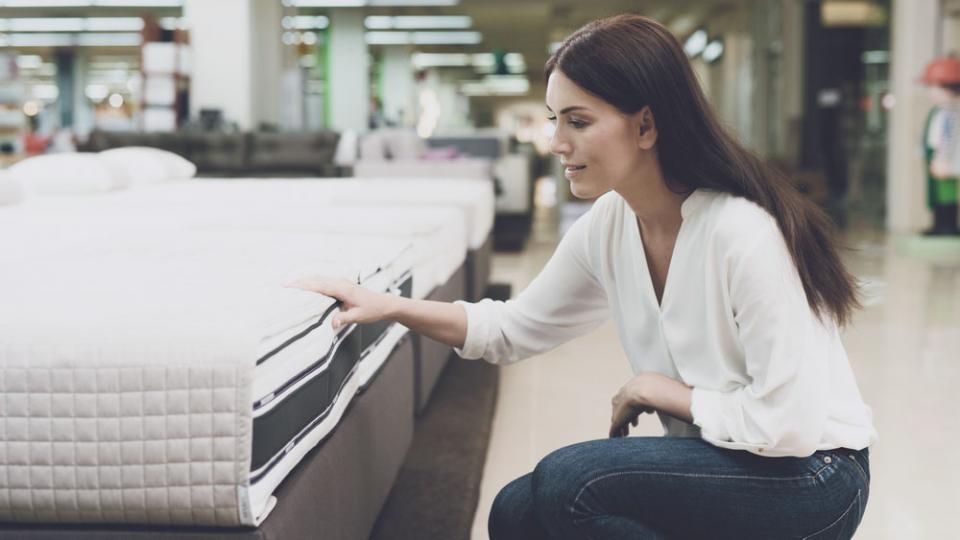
{"x":904,"y":347}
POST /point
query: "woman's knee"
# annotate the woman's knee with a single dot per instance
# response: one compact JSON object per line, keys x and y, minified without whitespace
{"x":556,"y":480}
{"x":512,"y":516}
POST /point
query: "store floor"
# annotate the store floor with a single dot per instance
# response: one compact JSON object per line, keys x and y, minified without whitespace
{"x":904,"y":347}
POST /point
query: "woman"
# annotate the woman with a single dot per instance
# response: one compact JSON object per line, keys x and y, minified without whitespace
{"x":727,"y":291}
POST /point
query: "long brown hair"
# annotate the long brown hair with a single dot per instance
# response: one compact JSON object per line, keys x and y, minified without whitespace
{"x":632,"y":62}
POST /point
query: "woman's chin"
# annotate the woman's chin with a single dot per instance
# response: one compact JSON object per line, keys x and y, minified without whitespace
{"x":582,"y":191}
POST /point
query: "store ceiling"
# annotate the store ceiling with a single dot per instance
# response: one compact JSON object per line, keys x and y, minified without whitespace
{"x":518,"y":26}
{"x":529,"y":27}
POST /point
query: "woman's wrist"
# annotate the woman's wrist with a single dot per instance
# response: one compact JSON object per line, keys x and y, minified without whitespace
{"x":657,"y":391}
{"x":393,"y":306}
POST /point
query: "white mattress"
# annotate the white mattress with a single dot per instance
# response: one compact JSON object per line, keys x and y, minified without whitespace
{"x":128,"y":365}
{"x":475,"y":198}
{"x":438,"y":233}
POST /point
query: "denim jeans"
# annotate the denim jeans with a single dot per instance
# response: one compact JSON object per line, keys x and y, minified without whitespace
{"x":683,"y":488}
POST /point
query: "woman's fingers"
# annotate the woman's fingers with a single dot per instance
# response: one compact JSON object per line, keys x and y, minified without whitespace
{"x":346,"y":317}
{"x":334,"y":288}
{"x":620,"y":420}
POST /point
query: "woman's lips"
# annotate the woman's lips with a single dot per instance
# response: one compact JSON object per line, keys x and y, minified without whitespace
{"x":572,"y":170}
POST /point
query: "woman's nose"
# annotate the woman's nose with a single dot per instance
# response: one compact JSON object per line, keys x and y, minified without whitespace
{"x":557,"y":146}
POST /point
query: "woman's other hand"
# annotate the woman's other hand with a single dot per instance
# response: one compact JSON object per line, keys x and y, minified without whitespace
{"x":359,"y":305}
{"x":646,"y":393}
{"x":628,"y":405}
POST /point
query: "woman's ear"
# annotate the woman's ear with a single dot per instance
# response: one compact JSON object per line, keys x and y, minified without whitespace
{"x":647,"y":129}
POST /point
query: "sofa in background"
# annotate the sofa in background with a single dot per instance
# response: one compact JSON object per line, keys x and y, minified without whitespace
{"x":236,"y":154}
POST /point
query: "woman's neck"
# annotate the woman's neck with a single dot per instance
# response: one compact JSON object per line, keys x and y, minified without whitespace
{"x":656,"y":207}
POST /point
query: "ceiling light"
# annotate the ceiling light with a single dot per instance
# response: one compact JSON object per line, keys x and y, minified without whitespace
{"x":713,"y":51}
{"x":415,"y":22}
{"x":481,"y":61}
{"x":875,"y":57}
{"x":139,"y":3}
{"x":46,"y":3}
{"x":96,"y":92}
{"x":72,"y":24}
{"x":695,"y":43}
{"x":91,"y":3}
{"x":852,"y":13}
{"x":413,"y":2}
{"x":447,"y":38}
{"x":29,"y":61}
{"x":304,"y":22}
{"x":45,"y":92}
{"x":497,"y":85}
{"x":63,"y":39}
{"x":328,"y":3}
{"x":53,"y":24}
{"x":374,"y":3}
{"x":428,"y":60}
{"x":424,"y":38}
{"x":113,"y":24}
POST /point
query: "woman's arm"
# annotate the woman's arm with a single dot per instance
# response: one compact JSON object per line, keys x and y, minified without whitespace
{"x":646,"y":393}
{"x":564,"y":301}
{"x":441,"y":321}
{"x":781,"y":409}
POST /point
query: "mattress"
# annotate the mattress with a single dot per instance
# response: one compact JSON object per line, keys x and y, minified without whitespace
{"x":161,"y":376}
{"x":474,"y":198}
{"x":437,"y":234}
{"x":361,"y":458}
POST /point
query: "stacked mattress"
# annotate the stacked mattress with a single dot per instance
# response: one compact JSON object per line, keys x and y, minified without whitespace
{"x":167,"y":376}
{"x":154,"y":370}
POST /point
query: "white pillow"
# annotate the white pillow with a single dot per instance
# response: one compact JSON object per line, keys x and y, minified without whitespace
{"x":10,"y":190}
{"x":140,"y":165}
{"x":64,"y":174}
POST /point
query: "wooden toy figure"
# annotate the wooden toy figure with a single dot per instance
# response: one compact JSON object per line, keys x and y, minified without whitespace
{"x":941,"y":144}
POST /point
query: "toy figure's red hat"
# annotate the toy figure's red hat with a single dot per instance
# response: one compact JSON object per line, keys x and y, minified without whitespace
{"x":943,"y":71}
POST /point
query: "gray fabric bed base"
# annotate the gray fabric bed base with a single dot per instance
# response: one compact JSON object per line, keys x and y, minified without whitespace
{"x":479,"y":263}
{"x":431,"y":356}
{"x":335,"y":493}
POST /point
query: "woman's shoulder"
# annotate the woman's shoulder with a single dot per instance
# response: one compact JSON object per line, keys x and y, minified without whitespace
{"x":733,"y":219}
{"x":605,"y":210}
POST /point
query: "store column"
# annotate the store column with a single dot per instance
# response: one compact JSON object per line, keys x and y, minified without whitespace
{"x":915,"y":42}
{"x":398,"y":86}
{"x":348,"y":76}
{"x":237,"y":59}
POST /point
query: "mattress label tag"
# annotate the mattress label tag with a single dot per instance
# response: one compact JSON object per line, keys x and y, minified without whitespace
{"x":243,"y":500}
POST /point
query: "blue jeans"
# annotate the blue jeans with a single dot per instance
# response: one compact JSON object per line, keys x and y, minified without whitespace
{"x":684,"y":488}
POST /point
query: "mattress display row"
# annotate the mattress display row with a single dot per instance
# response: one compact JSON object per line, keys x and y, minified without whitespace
{"x":143,"y":408}
{"x":205,"y":381}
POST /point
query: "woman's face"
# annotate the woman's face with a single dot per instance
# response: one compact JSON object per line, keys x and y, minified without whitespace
{"x":598,"y":145}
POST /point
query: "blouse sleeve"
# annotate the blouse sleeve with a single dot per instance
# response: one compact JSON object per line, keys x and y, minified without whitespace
{"x":781,"y":411}
{"x":563,"y":302}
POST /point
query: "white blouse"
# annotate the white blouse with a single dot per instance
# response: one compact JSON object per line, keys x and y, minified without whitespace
{"x":767,"y":375}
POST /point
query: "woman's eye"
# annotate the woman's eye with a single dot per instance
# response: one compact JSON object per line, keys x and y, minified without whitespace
{"x":552,"y":118}
{"x":577,"y":124}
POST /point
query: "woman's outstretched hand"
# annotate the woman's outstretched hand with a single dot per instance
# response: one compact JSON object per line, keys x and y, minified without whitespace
{"x":360,"y":305}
